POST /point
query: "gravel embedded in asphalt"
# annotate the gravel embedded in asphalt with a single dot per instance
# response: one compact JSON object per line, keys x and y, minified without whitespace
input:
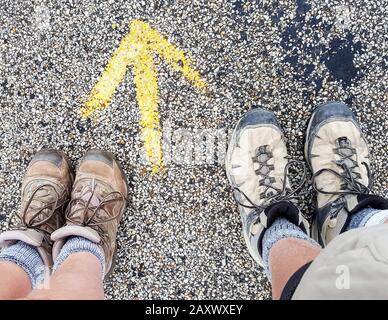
{"x":181,"y":236}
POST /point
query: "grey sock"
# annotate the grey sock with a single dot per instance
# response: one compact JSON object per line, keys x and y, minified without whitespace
{"x":281,"y":229}
{"x":26,"y":257}
{"x":80,"y":244}
{"x":360,"y":218}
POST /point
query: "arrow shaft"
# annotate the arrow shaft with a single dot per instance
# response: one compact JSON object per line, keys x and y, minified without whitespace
{"x":148,"y":97}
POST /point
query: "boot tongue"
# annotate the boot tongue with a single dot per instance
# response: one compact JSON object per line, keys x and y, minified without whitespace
{"x":284,"y":209}
{"x":87,"y":193}
{"x":351,"y":201}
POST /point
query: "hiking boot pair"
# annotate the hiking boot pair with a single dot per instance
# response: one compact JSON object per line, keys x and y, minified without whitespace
{"x":258,"y":168}
{"x":55,"y":206}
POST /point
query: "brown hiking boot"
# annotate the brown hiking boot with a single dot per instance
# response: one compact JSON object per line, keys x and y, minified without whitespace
{"x":98,"y":201}
{"x":45,"y":193}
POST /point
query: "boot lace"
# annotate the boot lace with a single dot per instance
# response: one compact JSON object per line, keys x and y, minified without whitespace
{"x":351,"y":183}
{"x":275,"y":194}
{"x":50,"y":200}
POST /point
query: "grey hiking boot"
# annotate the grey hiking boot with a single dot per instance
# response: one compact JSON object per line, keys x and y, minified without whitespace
{"x":338,"y":156}
{"x":45,"y":193}
{"x":98,"y":201}
{"x":257,"y":167}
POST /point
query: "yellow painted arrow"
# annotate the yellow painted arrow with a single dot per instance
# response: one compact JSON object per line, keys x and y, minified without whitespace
{"x":136,"y":50}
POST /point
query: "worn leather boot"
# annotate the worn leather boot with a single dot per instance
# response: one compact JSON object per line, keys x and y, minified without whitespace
{"x":45,"y":194}
{"x":98,"y":201}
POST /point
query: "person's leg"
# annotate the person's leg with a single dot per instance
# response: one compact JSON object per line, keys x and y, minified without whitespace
{"x":286,"y":248}
{"x":285,"y":258}
{"x":14,"y":281}
{"x":367,"y":217}
{"x":78,"y":272}
{"x":21,"y":269}
{"x":352,"y":267}
{"x":288,"y":254}
{"x":78,"y":277}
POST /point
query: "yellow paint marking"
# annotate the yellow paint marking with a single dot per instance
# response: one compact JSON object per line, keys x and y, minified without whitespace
{"x":137,"y":49}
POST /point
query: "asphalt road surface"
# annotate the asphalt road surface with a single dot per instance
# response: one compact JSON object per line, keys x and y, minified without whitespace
{"x":181,"y":237}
